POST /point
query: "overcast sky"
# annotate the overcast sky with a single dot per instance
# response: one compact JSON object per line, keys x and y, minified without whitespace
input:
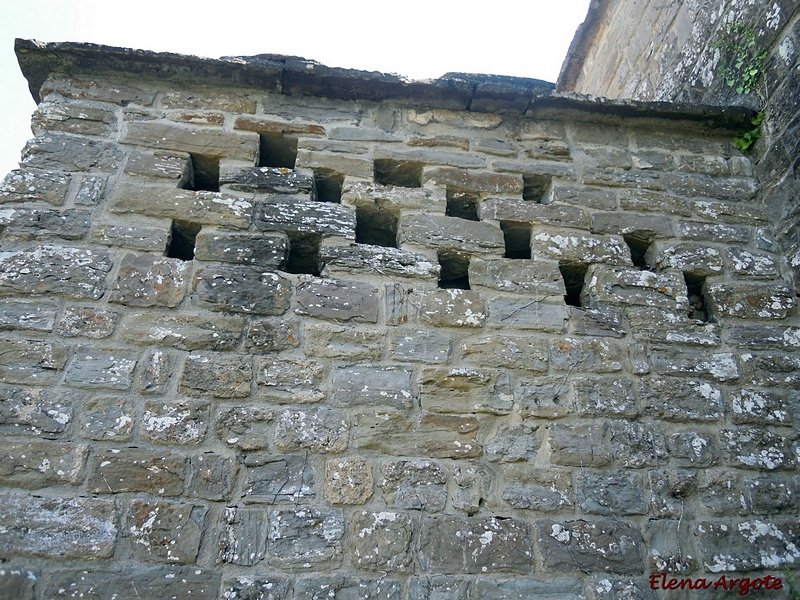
{"x":418,"y":38}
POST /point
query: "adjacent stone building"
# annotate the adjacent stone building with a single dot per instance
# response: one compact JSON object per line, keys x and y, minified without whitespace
{"x":271,"y":329}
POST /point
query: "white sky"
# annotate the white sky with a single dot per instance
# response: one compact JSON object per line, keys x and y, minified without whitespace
{"x":417,"y":38}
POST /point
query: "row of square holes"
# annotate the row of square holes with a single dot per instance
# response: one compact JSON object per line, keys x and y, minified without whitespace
{"x":378,"y":227}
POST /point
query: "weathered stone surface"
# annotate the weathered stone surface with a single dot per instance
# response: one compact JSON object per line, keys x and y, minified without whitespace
{"x":622,"y":223}
{"x":752,"y":264}
{"x":367,"y":259}
{"x":107,"y":418}
{"x":243,"y":536}
{"x":175,"y":583}
{"x":616,"y":494}
{"x":698,"y":259}
{"x":448,"y":544}
{"x":750,"y":301}
{"x":289,"y":380}
{"x":23,"y":185}
{"x":542,"y":490}
{"x":604,"y":397}
{"x":161,"y":165}
{"x":540,"y":397}
{"x":176,"y":423}
{"x":17,"y":583}
{"x":267,"y":335}
{"x":218,"y":375}
{"x":102,"y":368}
{"x":568,"y":246}
{"x":513,"y":443}
{"x":765,"y":337}
{"x":27,"y":316}
{"x":337,"y":162}
{"x":202,"y":207}
{"x":526,"y":211}
{"x":619,"y":285}
{"x":278,"y":479}
{"x":600,"y":322}
{"x":34,"y":411}
{"x":348,"y":480}
{"x":568,"y":193}
{"x":261,"y":250}
{"x":61,"y":152}
{"x":71,"y":272}
{"x":166,"y":531}
{"x":561,"y":589}
{"x":322,"y":431}
{"x":182,"y":331}
{"x":194,"y":140}
{"x":91,"y":322}
{"x":74,"y":117}
{"x":670,"y":489}
{"x":721,"y":366}
{"x":306,"y":538}
{"x":149,"y":238}
{"x":381,"y":540}
{"x":438,"y":586}
{"x":267,"y":180}
{"x":372,"y":385}
{"x":547,"y":314}
{"x":414,"y":485}
{"x":359,"y":193}
{"x":473,"y":482}
{"x":768,"y":369}
{"x":347,"y":587}
{"x":30,"y":361}
{"x":503,"y":351}
{"x":449,"y":308}
{"x":666,"y":326}
{"x":697,"y":448}
{"x":463,"y":390}
{"x":474,"y":181}
{"x":146,"y":280}
{"x":420,"y":345}
{"x":244,"y":427}
{"x":156,"y":371}
{"x":118,"y":92}
{"x":318,"y":218}
{"x":761,"y":407}
{"x":40,"y":464}
{"x":242,"y":289}
{"x":115,"y":470}
{"x":676,"y":399}
{"x":636,"y":444}
{"x":592,"y":546}
{"x":748,"y":545}
{"x":579,"y":445}
{"x":325,"y":340}
{"x":520,"y":276}
{"x":211,"y":476}
{"x":256,"y":588}
{"x":40,"y":224}
{"x":717,"y":232}
{"x":450,"y":233}
{"x":756,"y":448}
{"x":82,"y":528}
{"x":599,"y":356}
{"x":337,"y":299}
{"x":92,"y":190}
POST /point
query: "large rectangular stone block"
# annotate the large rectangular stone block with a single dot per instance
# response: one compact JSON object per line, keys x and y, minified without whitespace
{"x":601,"y":546}
{"x":360,"y":193}
{"x":382,"y":261}
{"x":607,"y":285}
{"x":306,"y":538}
{"x":525,"y":211}
{"x":31,"y":361}
{"x":38,"y":224}
{"x":338,"y":300}
{"x":547,"y":314}
{"x":259,"y":250}
{"x":242,"y":290}
{"x":21,"y":185}
{"x":34,"y":411}
{"x":320,"y":218}
{"x":217,"y":374}
{"x":372,"y":385}
{"x":184,"y":331}
{"x":175,"y":583}
{"x":576,"y":247}
{"x":748,"y":545}
{"x":539,"y":277}
{"x":750,"y":300}
{"x":41,"y":464}
{"x":451,"y":233}
{"x":146,"y":280}
{"x":102,"y":368}
{"x":194,"y":140}
{"x":62,"y":152}
{"x":115,"y":470}
{"x":474,"y":181}
{"x":74,"y":117}
{"x":449,"y":308}
{"x":287,"y":380}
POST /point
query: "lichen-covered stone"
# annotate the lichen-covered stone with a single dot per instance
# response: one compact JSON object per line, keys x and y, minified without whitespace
{"x":677,"y":399}
{"x":132,"y":236}
{"x":261,"y":250}
{"x":525,"y":211}
{"x":757,"y":448}
{"x":42,"y":224}
{"x":591,"y":545}
{"x":166,"y":531}
{"x":279,"y":479}
{"x":267,"y":335}
{"x":218,"y":375}
{"x":27,"y":316}
{"x":539,"y":277}
{"x":91,"y":322}
{"x":242,"y":290}
{"x":289,"y":380}
{"x":323,"y":431}
{"x":23,"y":184}
{"x":115,"y":470}
{"x":182,"y":331}
{"x":750,"y":301}
{"x":267,"y":180}
{"x":381,"y":540}
{"x":348,"y":480}
{"x":34,"y":411}
{"x":60,"y":152}
{"x":146,"y":280}
{"x":579,"y":445}
{"x":544,"y":490}
{"x":156,"y":371}
{"x":463,"y":390}
{"x":604,"y":397}
{"x":244,"y":427}
{"x":319,"y":218}
{"x":160,"y":164}
{"x":543,"y":314}
{"x":748,"y":545}
{"x":619,"y":285}
{"x":243,"y":536}
{"x":211,"y":476}
{"x":372,"y":385}
{"x":337,"y":300}
{"x":689,"y":257}
{"x":576,"y":247}
{"x":419,"y":345}
{"x":414,"y":485}
{"x":107,"y":418}
{"x":194,"y":140}
{"x":178,"y":583}
{"x":102,"y":368}
{"x":306,"y":538}
{"x":449,"y":233}
{"x":324,"y":340}
{"x":449,"y":308}
{"x":176,"y":423}
{"x":367,"y":259}
{"x":38,"y":464}
{"x":616,"y":494}
{"x":698,"y":448}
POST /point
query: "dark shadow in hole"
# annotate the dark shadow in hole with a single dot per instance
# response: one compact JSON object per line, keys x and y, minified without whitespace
{"x":376,"y":225}
{"x":455,"y":271}
{"x":182,"y":240}
{"x":205,"y":173}
{"x":517,"y":238}
{"x":401,"y":173}
{"x":698,"y":309}
{"x":639,"y":242}
{"x":574,"y":277}
{"x":463,"y":205}
{"x":277,"y":151}
{"x":328,"y":185}
{"x":535,"y":187}
{"x":303,"y":253}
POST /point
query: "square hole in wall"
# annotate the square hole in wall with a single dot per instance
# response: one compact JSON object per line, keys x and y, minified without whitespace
{"x":401,"y":173}
{"x":639,"y":242}
{"x":463,"y":205}
{"x":183,"y":236}
{"x":205,"y":173}
{"x":328,"y":185}
{"x":535,"y":187}
{"x":574,"y":276}
{"x":455,"y":271}
{"x":376,"y":225}
{"x":698,"y":309}
{"x":303,"y":253}
{"x":517,"y":239}
{"x":277,"y":151}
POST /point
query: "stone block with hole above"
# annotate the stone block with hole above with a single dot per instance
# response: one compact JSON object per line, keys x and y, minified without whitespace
{"x":194,"y":140}
{"x":266,"y":180}
{"x":578,"y":247}
{"x":449,"y":233}
{"x":526,"y":211}
{"x":608,"y":285}
{"x":319,"y":218}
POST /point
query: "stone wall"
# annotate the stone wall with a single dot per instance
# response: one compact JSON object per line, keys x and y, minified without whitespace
{"x":274,"y":330}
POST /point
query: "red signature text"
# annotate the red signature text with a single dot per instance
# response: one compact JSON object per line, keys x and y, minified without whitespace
{"x":741,"y":585}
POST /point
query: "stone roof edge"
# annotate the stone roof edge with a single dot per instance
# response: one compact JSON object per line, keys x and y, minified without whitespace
{"x":584,"y":38}
{"x":298,"y":76}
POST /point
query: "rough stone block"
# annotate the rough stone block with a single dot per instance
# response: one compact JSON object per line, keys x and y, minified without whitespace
{"x":17,"y":583}
{"x":60,"y":152}
{"x":267,"y":335}
{"x":761,"y":407}
{"x":347,"y":164}
{"x":463,"y":390}
{"x":72,"y":272}
{"x":693,"y":184}
{"x":306,"y":538}
{"x":757,"y":448}
{"x":721,"y":366}
{"x":604,"y":397}
{"x":289,"y":380}
{"x":132,"y":236}
{"x":102,"y":368}
{"x":591,"y":546}
{"x":24,"y":185}
{"x":278,"y":479}
{"x":34,"y":411}
{"x":160,"y":165}
{"x":73,"y":117}
{"x":175,"y":423}
{"x":348,"y":480}
{"x":748,"y":545}
{"x":267,"y":180}
{"x":339,"y":586}
{"x":636,"y":444}
{"x":15,"y":314}
{"x":695,"y":448}
{"x":360,"y":193}
{"x":713,"y":232}
{"x":166,"y":531}
{"x":752,"y":264}
{"x":218,"y":375}
{"x":175,"y":583}
{"x":525,"y":211}
{"x":194,"y":140}
{"x":474,"y":181}
{"x":451,"y":233}
{"x":337,"y":299}
{"x":320,"y":431}
{"x":211,"y":476}
{"x":599,"y":322}
{"x":764,"y":337}
{"x":625,"y":286}
{"x":91,"y":191}
{"x":243,"y":536}
{"x":244,"y":427}
{"x":547,"y":314}
{"x":372,"y":385}
{"x":504,"y":351}
{"x":585,"y":354}
{"x":414,"y":485}
{"x":41,"y":224}
{"x":107,"y":418}
{"x":448,"y":544}
{"x":41,"y":464}
{"x":543,"y":397}
{"x":768,"y":369}
{"x":728,"y":212}
{"x":91,"y":322}
{"x":622,"y":223}
{"x":574,"y":247}
{"x":541,"y":490}
{"x":201,"y":207}
{"x":80,"y":528}
{"x":569,"y":193}
{"x":419,"y":345}
{"x":750,"y":300}
{"x":560,"y":589}
{"x":381,"y":541}
{"x":318,"y":218}
{"x":183,"y":331}
{"x":105,"y":90}
{"x":666,"y":326}
{"x":616,"y":494}
{"x":449,"y":308}
{"x":146,"y":280}
{"x":256,"y":588}
{"x":438,"y":587}
{"x":670,"y":489}
{"x":365,"y":259}
{"x":581,"y":445}
{"x":536,"y":277}
{"x":333,"y":341}
{"x":512,"y":443}
{"x":676,"y":399}
{"x":261,"y":250}
{"x":155,"y":372}
{"x":115,"y":470}
{"x":30,"y":361}
{"x":242,"y":289}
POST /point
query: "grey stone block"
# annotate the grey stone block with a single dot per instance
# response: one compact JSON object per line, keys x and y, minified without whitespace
{"x":166,"y":531}
{"x":60,"y":152}
{"x":115,"y":470}
{"x":337,"y":300}
{"x":319,"y":431}
{"x":194,"y":140}
{"x":182,"y":331}
{"x":23,"y":185}
{"x":372,"y":385}
{"x":278,"y":479}
{"x":179,"y":422}
{"x":318,"y":218}
{"x":218,"y":375}
{"x":242,"y":290}
{"x":261,"y":250}
{"x":38,"y":464}
{"x":146,"y":280}
{"x":34,"y":411}
{"x":243,"y":536}
{"x":306,"y":538}
{"x":451,"y":233}
{"x":102,"y":368}
{"x":381,"y":540}
{"x":613,"y":546}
